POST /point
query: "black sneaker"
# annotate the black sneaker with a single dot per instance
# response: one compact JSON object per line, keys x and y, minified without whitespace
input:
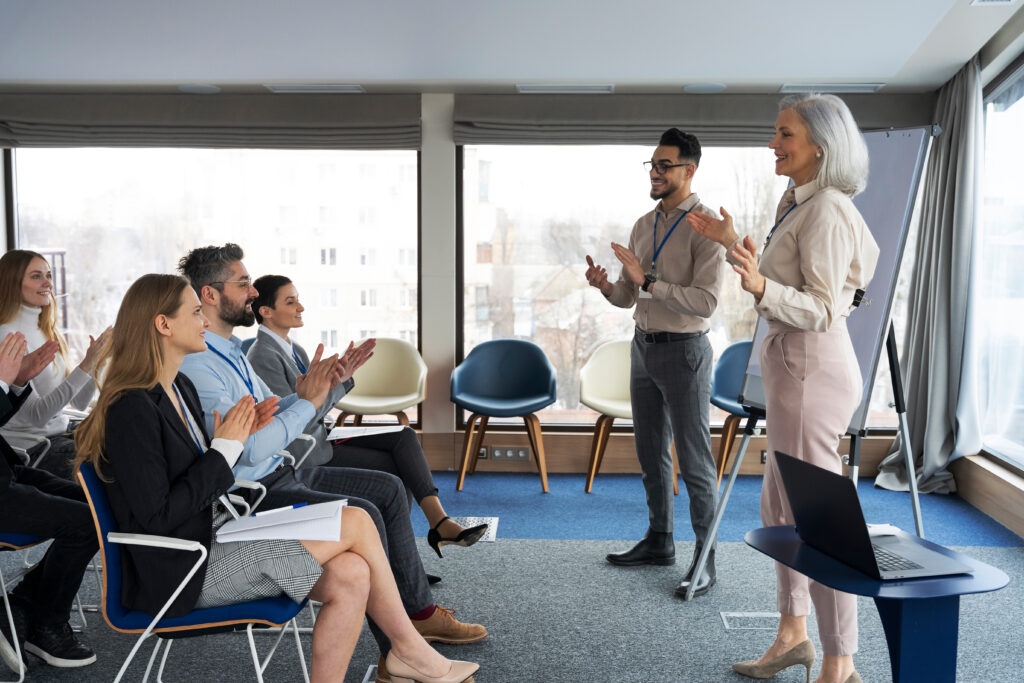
{"x":7,"y":652}
{"x":56,"y":645}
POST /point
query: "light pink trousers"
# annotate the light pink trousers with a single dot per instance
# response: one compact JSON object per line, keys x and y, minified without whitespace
{"x":812,"y":386}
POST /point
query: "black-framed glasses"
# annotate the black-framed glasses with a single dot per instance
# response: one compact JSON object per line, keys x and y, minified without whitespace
{"x":245,"y":282}
{"x":661,"y":167}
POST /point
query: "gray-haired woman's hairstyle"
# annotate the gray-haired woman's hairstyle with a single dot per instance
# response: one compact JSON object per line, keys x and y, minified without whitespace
{"x":844,"y":154}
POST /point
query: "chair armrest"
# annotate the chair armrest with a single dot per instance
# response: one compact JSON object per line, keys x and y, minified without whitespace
{"x":35,"y":439}
{"x":240,"y":502}
{"x":288,"y":457}
{"x":156,"y":541}
{"x":309,"y":448}
{"x":255,"y":486}
{"x":169,"y":543}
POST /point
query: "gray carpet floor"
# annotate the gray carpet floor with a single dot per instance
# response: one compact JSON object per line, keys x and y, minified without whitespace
{"x":557,"y":612}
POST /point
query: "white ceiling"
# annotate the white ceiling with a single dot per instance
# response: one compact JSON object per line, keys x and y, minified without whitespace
{"x":486,"y":45}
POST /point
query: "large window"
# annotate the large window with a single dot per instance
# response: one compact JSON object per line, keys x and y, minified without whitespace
{"x":999,"y":304}
{"x":341,"y":224}
{"x":533,"y":213}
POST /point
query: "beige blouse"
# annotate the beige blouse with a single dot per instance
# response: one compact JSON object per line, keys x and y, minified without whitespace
{"x":816,"y":259}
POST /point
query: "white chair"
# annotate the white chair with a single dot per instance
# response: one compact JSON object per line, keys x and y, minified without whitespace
{"x":604,"y":387}
{"x":394,"y":379}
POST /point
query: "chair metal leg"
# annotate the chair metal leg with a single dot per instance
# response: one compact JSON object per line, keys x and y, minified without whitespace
{"x":14,"y":633}
{"x":255,"y":656}
{"x":163,"y":660}
{"x":302,"y":654}
{"x":675,"y":468}
{"x":537,"y":444}
{"x":467,"y":447}
{"x":601,"y":430}
{"x":358,"y":420}
{"x":729,"y":429}
{"x":402,"y":418}
{"x":341,"y":418}
{"x":478,"y":441}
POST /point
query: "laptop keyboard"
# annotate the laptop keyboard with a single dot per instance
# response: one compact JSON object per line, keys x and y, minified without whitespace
{"x":889,"y":561}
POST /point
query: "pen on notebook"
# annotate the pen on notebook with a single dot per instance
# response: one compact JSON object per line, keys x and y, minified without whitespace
{"x":267,"y":512}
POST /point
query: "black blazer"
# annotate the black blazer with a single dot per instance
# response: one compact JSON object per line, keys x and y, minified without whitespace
{"x":10,"y":463}
{"x":160,"y":485}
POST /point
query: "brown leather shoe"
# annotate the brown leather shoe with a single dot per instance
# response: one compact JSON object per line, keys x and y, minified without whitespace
{"x":382,"y":671}
{"x":442,"y":627}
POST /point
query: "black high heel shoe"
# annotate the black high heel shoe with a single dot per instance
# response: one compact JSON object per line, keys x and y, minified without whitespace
{"x":466,"y":537}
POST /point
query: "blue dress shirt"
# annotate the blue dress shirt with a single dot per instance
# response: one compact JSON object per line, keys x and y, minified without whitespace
{"x":221,"y":386}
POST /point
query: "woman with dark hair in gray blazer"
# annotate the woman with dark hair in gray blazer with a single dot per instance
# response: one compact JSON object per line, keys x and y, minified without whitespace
{"x":279,"y":362}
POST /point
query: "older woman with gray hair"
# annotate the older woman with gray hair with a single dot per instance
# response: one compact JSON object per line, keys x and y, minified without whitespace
{"x":818,"y":255}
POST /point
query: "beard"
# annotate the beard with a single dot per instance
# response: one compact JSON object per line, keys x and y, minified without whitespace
{"x":237,"y":316}
{"x":668,"y":189}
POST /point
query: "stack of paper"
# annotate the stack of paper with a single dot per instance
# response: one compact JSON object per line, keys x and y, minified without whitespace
{"x":319,"y":522}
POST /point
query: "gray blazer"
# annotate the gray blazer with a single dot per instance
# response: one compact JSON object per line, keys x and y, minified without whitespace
{"x":279,"y":371}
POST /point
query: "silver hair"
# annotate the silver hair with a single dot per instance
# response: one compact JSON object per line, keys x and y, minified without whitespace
{"x":844,"y":154}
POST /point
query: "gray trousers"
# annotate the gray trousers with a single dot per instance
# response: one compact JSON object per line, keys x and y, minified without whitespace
{"x":670,"y":390}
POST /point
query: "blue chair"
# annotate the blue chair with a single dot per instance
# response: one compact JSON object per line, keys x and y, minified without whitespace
{"x":269,"y":612}
{"x":503,"y":378}
{"x":725,"y":392}
{"x":13,"y":541}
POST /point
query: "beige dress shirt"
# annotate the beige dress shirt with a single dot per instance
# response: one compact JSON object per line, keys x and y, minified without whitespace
{"x":690,"y":270}
{"x":818,"y":256}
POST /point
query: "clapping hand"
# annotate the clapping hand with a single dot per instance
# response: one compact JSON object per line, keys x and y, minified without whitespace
{"x":35,"y":362}
{"x":353,"y":359}
{"x":237,"y":422}
{"x":597,"y":276}
{"x":12,"y":351}
{"x":319,"y":378}
{"x":630,"y":264}
{"x":716,"y":230}
{"x":96,"y":351}
{"x":745,"y":255}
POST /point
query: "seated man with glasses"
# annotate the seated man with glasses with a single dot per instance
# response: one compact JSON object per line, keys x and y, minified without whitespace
{"x":673,"y":278}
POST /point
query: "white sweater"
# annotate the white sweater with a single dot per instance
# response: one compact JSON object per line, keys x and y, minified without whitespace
{"x":52,"y":389}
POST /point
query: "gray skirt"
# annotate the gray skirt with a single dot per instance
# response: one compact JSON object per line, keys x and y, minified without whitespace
{"x":252,"y":570}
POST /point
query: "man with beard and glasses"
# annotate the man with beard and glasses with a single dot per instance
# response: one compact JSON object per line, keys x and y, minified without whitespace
{"x":673,"y":277}
{"x":222,"y":375}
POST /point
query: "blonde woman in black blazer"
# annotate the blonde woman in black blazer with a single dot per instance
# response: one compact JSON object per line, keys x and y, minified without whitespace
{"x":163,"y":473}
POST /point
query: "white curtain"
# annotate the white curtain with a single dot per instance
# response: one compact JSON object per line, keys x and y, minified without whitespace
{"x":938,"y":355}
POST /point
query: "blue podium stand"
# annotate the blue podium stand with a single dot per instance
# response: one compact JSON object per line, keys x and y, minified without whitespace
{"x":920,"y":616}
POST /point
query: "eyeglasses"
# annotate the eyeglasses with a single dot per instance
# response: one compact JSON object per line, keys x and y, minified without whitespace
{"x":661,"y":167}
{"x":244,"y":283}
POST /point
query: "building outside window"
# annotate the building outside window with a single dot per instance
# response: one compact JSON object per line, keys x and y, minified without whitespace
{"x":137,"y":211}
{"x":998,"y":305}
{"x":532,"y":214}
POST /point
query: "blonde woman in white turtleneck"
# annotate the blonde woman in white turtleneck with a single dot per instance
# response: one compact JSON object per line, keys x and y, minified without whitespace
{"x":27,"y":305}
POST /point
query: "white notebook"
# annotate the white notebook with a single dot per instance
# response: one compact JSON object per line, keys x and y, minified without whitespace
{"x":318,"y":522}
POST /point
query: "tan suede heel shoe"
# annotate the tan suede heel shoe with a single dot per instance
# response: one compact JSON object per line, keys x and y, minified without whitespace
{"x":800,"y":654}
{"x":854,"y":678}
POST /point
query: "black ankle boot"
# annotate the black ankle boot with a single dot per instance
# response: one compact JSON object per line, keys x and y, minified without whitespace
{"x":706,"y":580}
{"x":655,"y":548}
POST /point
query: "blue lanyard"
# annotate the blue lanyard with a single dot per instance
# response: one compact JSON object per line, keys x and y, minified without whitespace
{"x":658,"y":247}
{"x":246,"y":378}
{"x":188,"y":423}
{"x":777,"y":224}
{"x":295,"y":355}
